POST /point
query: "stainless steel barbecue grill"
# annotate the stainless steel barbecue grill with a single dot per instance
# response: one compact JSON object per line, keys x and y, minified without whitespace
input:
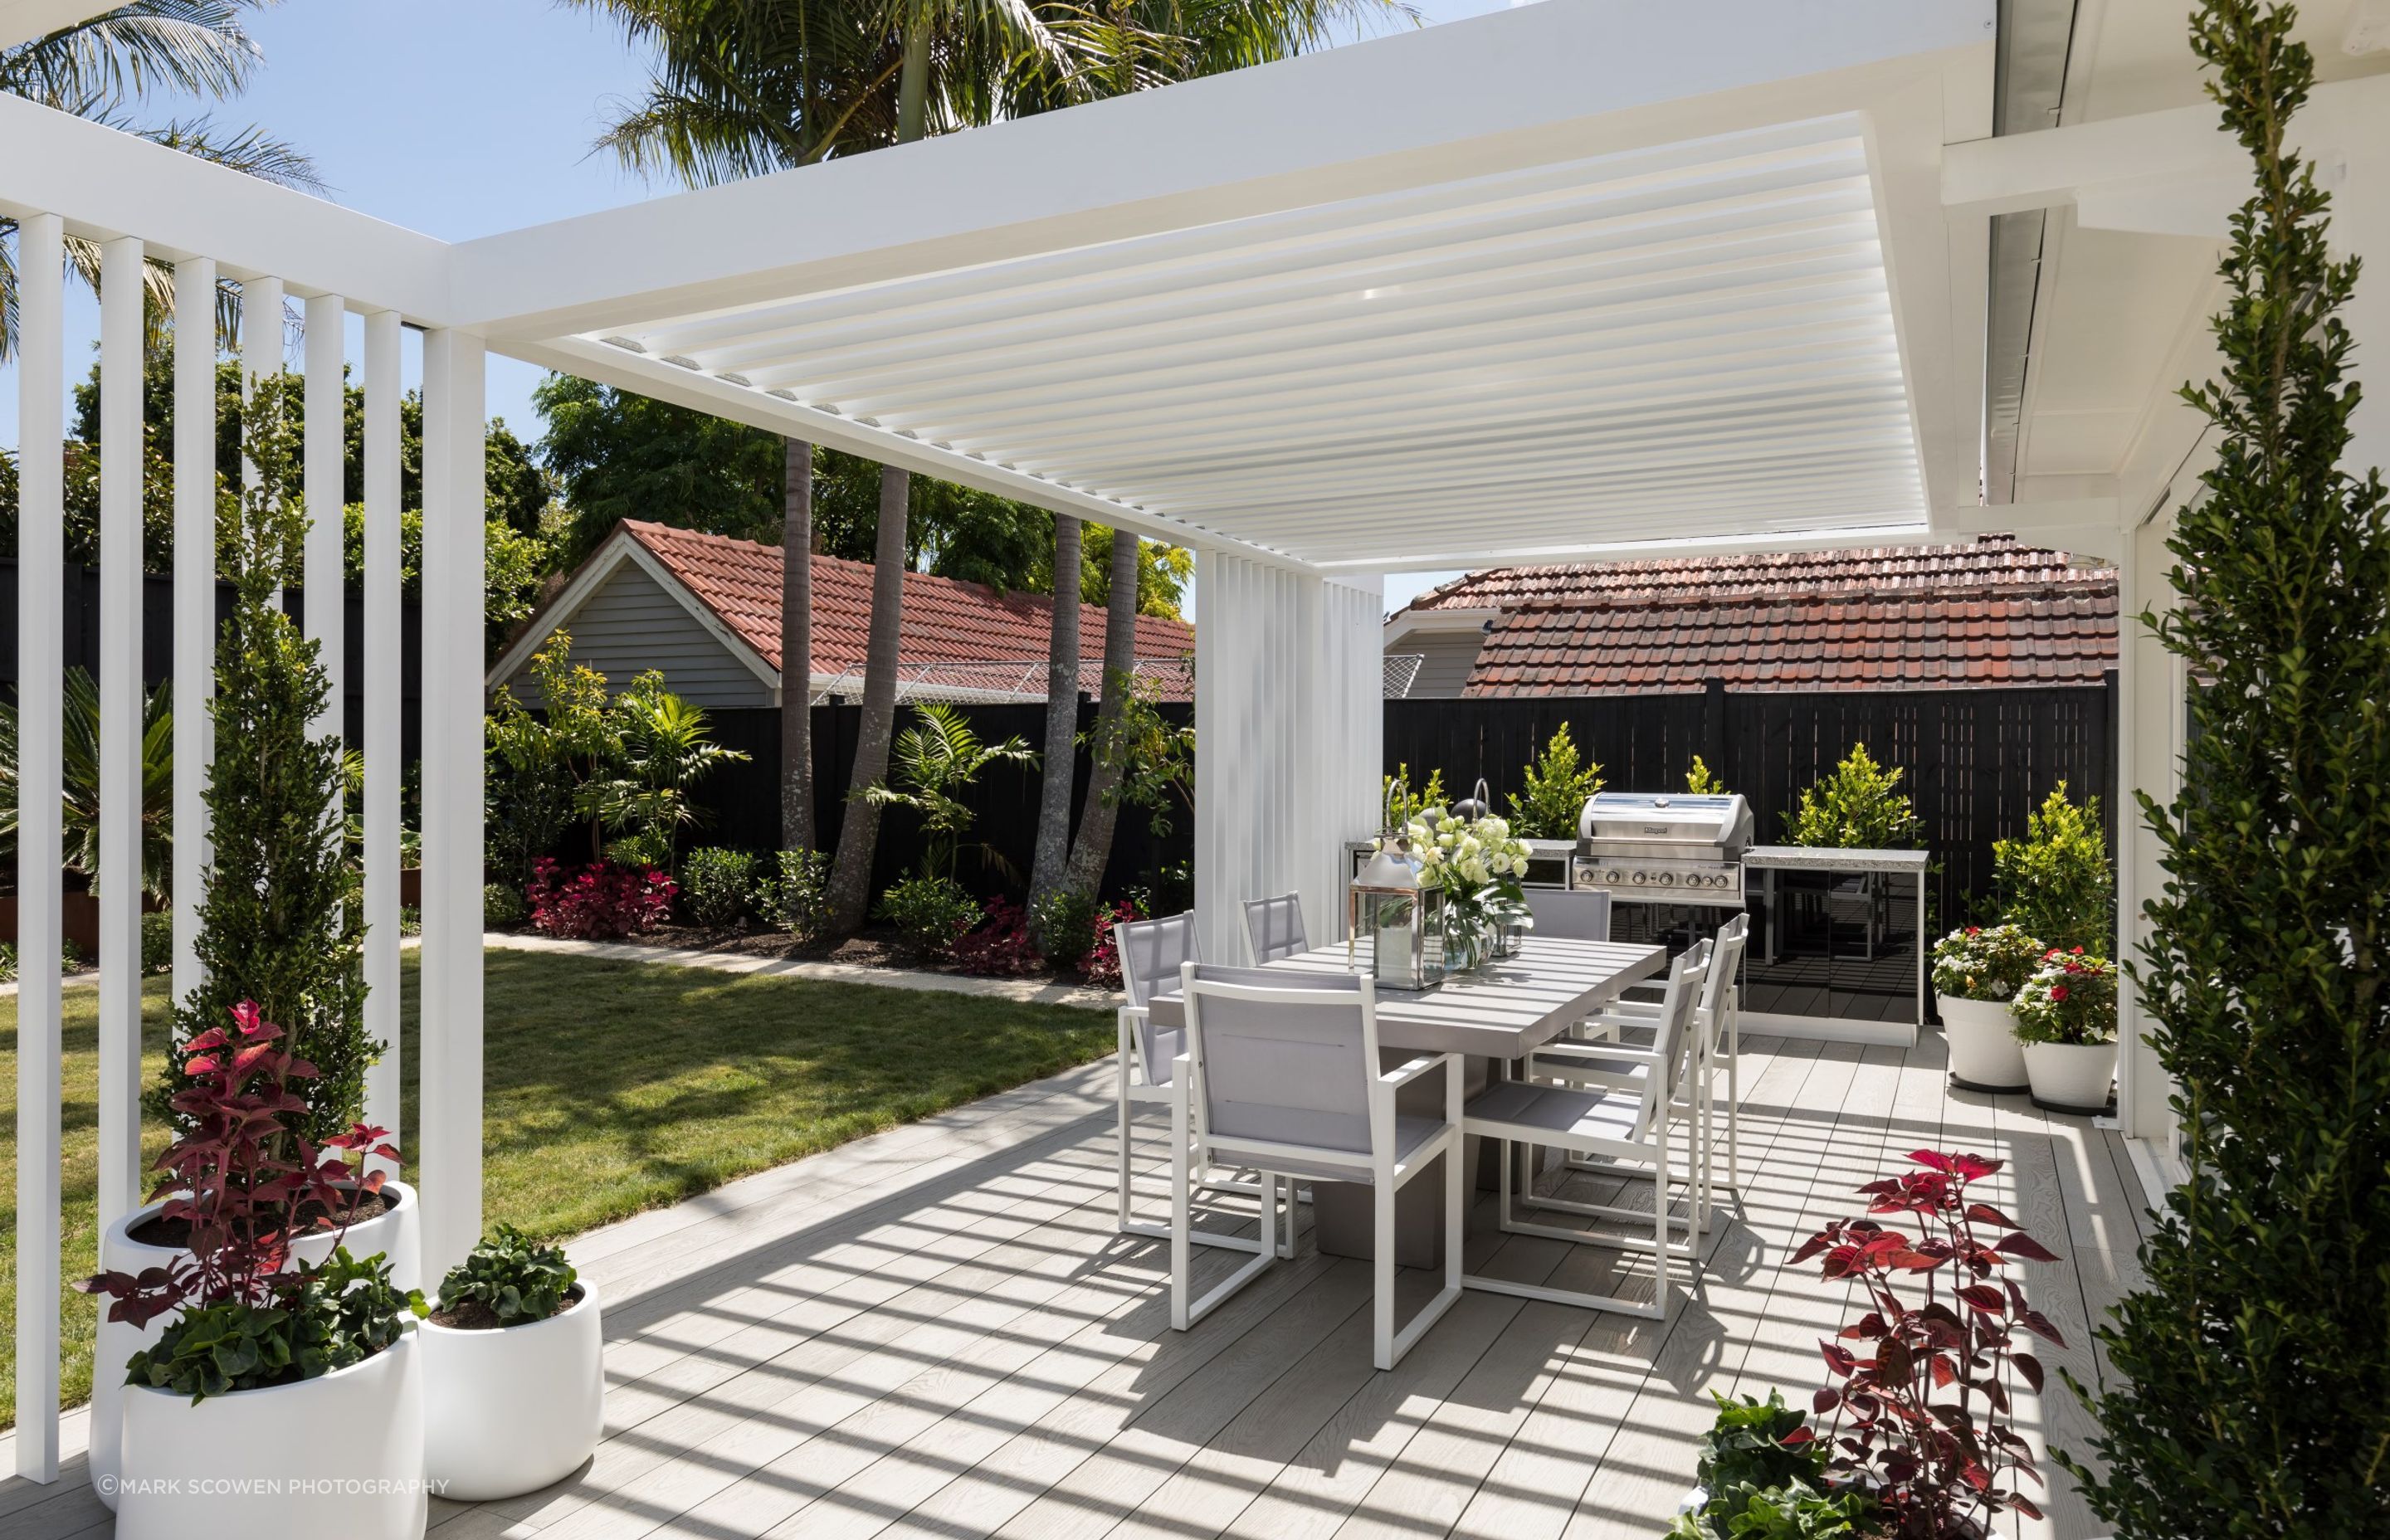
{"x":1663,"y":848}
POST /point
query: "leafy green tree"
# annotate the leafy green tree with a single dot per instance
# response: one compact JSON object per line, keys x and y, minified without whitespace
{"x":2252,"y":1396}
{"x":1558,"y":786}
{"x":538,"y":761}
{"x":279,"y":911}
{"x":667,"y":748}
{"x":2057,"y":882}
{"x":937,"y":761}
{"x":1859,"y":806}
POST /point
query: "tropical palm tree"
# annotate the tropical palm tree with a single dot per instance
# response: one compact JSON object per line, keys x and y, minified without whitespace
{"x":937,"y":761}
{"x":79,"y":782}
{"x":99,"y":68}
{"x":1091,"y":850}
{"x":1048,"y":868}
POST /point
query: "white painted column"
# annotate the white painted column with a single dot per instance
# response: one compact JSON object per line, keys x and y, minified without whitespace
{"x":261,"y":356}
{"x":385,"y":1081}
{"x":40,"y":534}
{"x":451,"y":1076}
{"x":2150,"y":732}
{"x":324,"y":471}
{"x":195,"y":596}
{"x":2360,"y":227}
{"x":120,"y":727}
{"x":1288,"y":741}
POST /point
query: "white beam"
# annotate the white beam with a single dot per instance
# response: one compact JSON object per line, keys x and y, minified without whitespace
{"x":41,"y":575}
{"x":1492,"y":93}
{"x":385,"y":766}
{"x":118,"y":183}
{"x":23,"y":21}
{"x":119,"y":883}
{"x":451,"y":1099}
{"x":1495,"y":554}
{"x":195,"y":597}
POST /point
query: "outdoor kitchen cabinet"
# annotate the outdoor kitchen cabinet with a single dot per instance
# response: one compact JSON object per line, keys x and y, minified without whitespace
{"x":1838,"y":943}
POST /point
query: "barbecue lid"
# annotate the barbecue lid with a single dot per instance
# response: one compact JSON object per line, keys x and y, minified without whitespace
{"x":1680,"y":816}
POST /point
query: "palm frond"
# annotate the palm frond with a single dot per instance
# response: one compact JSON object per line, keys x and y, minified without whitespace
{"x":194,"y":46}
{"x":250,"y":152}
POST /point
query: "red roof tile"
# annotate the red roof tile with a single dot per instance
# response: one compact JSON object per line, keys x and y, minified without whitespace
{"x":1991,"y":612}
{"x":945,"y":621}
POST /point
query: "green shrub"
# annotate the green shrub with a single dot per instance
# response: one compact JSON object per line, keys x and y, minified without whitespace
{"x":929,"y":913}
{"x":2056,"y":881}
{"x":796,"y":899}
{"x":1760,"y":1488}
{"x":2071,"y":998}
{"x":1064,"y":922}
{"x":1700,"y":781}
{"x":1556,"y":790}
{"x":1986,"y":962}
{"x":717,"y":884}
{"x":322,"y":1318}
{"x":1859,"y":806}
{"x":158,"y":943}
{"x":502,"y":905}
{"x":508,"y":1279}
{"x":1417,"y":796}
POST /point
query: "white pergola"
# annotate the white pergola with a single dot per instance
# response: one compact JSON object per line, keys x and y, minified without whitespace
{"x":1589,"y":277}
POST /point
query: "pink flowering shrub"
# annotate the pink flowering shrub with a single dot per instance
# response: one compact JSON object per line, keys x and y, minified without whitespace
{"x":2071,"y":998}
{"x":599,"y":902}
{"x":999,"y":946}
{"x":1101,"y":966}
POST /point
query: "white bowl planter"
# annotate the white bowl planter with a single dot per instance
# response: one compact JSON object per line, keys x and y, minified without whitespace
{"x":510,"y":1409}
{"x":1985,"y":1053}
{"x":396,"y":1235}
{"x":2070,"y":1077}
{"x":337,"y":1455}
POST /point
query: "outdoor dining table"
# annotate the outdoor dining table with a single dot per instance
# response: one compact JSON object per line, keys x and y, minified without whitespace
{"x":1502,"y":1009}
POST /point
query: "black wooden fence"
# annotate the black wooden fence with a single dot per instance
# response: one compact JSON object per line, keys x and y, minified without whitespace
{"x":1974,"y":761}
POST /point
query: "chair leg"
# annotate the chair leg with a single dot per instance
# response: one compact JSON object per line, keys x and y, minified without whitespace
{"x":1660,"y":1224}
{"x":1382,"y":1269}
{"x":1734,"y":1104}
{"x":1182,"y":1216}
{"x":1125,"y":1163}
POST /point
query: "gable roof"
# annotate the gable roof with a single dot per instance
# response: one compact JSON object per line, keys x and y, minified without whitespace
{"x":1990,"y":612}
{"x":736,"y":584}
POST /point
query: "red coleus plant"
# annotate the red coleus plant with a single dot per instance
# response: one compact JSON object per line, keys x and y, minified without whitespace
{"x":1001,"y":946}
{"x":1101,"y":966}
{"x":243,"y":1181}
{"x":1924,"y":1412}
{"x":599,"y":902}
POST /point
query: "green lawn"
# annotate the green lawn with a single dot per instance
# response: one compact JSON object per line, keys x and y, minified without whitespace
{"x":613,"y":1087}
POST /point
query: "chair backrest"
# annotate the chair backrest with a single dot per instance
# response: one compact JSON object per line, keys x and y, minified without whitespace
{"x":1282,"y":1057}
{"x":1565,"y":913}
{"x":1725,"y":963}
{"x":1275,"y":927}
{"x":1673,"y":1040}
{"x":1152,"y":951}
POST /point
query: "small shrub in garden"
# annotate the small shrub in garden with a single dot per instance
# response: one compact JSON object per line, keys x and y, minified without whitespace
{"x":1100,"y":968}
{"x":508,"y":1279}
{"x":2070,"y":998}
{"x":1065,"y":921}
{"x":1986,"y":962}
{"x":1001,"y":946}
{"x":1859,"y":806}
{"x":797,"y":899}
{"x":717,"y":884}
{"x":502,"y":907}
{"x":1702,"y":781}
{"x":1923,"y":1409}
{"x":930,"y":913}
{"x":1758,"y":1485}
{"x":1557,"y":787}
{"x":2056,"y":881}
{"x":158,"y":943}
{"x":598,"y":902}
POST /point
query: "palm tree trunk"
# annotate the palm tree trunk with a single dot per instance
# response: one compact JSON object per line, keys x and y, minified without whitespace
{"x":797,"y":648}
{"x":1048,"y":870}
{"x":1093,"y":851}
{"x":858,"y":835}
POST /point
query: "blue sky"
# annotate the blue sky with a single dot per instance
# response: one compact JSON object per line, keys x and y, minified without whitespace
{"x":456,"y":118}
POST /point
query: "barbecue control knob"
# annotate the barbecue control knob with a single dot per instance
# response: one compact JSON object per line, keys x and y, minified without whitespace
{"x":1667,"y":879}
{"x":1641,"y":878}
{"x":1613,"y":876}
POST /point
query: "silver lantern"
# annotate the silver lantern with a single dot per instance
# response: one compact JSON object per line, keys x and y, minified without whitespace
{"x":1403,"y":920}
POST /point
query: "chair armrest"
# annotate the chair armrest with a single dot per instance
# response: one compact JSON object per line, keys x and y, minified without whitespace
{"x":1618,"y":1054}
{"x":1402,"y":1074}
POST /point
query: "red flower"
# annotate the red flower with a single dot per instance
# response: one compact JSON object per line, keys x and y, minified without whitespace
{"x":2058,"y":991}
{"x":1975,"y":929}
{"x":2079,"y":951}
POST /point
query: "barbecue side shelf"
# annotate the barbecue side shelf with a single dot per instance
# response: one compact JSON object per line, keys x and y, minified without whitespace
{"x":1838,"y":943}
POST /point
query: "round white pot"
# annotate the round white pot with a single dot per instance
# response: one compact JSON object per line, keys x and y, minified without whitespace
{"x":515,"y":1408}
{"x":396,"y":1235}
{"x":2070,"y":1077}
{"x":339,"y":1455}
{"x":1985,"y":1053}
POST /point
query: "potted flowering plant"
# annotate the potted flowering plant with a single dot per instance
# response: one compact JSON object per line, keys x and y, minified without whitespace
{"x":2066,"y":1018}
{"x":1478,"y":863}
{"x":284,"y":1389}
{"x":514,"y":1389}
{"x":1977,"y":970}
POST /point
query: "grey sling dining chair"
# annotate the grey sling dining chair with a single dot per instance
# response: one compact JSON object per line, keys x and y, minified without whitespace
{"x":1287,"y":1082}
{"x":1621,"y":1112}
{"x":1275,"y":927}
{"x":1567,"y":915}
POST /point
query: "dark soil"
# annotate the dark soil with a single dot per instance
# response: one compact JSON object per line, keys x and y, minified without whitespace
{"x":176,"y":1232}
{"x":474,"y":1316}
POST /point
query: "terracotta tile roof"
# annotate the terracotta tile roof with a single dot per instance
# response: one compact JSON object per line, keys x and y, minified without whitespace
{"x":945,"y":621}
{"x":1989,"y":613}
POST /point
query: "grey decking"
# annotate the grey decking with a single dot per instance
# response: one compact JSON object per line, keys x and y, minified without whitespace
{"x":937,"y":1333}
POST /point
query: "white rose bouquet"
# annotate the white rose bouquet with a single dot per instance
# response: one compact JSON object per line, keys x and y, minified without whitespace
{"x":1478,"y":863}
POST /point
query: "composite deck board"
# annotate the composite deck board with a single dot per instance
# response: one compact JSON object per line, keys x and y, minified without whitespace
{"x":937,"y":1333}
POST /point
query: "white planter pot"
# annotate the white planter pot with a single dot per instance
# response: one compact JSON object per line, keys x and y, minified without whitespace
{"x":2070,"y":1077}
{"x":342,"y":1455}
{"x":512,"y":1409}
{"x":397,"y":1235}
{"x":1985,"y":1054}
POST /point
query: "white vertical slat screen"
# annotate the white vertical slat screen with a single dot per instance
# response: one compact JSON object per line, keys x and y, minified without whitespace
{"x":122,"y":298}
{"x":324,"y":471}
{"x":41,"y":530}
{"x":260,"y":349}
{"x":194,"y":595}
{"x":385,"y":1082}
{"x":451,"y":1074}
{"x":1286,"y":696}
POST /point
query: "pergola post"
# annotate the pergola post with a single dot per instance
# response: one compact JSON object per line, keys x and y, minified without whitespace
{"x":451,"y":1083}
{"x":385,"y":766}
{"x":121,"y":340}
{"x":195,"y":597}
{"x":2150,"y":710}
{"x":1289,"y":731}
{"x":41,"y":538}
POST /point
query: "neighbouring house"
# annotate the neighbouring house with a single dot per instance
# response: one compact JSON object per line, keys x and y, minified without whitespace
{"x":705,"y":610}
{"x":1987,"y":612}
